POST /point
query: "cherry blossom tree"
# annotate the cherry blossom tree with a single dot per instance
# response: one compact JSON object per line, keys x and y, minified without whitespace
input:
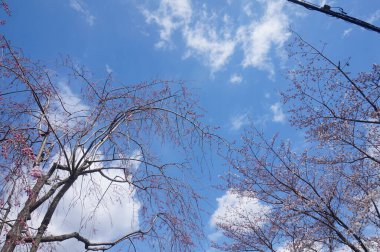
{"x":324,"y":194}
{"x":59,"y":148}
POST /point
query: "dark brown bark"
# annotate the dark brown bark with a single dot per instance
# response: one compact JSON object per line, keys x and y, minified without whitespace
{"x":49,"y":213}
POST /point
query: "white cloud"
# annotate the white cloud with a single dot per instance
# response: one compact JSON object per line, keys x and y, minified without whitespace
{"x":236,"y":79}
{"x":347,"y":32}
{"x":214,"y":38}
{"x":278,"y":114}
{"x":232,"y":203}
{"x":97,"y":217}
{"x":170,"y":16}
{"x":260,"y":36}
{"x":247,"y":9}
{"x":80,"y":6}
{"x":201,"y":37}
{"x":67,"y":110}
{"x":238,"y":211}
{"x":203,"y":41}
{"x":72,"y":102}
{"x":215,"y":235}
{"x":108,"y":69}
{"x":95,"y":207}
{"x":239,"y":121}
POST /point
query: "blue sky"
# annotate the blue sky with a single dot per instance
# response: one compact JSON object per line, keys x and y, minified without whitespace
{"x":230,"y":52}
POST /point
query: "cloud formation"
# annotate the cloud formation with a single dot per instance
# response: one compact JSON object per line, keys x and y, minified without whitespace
{"x":239,"y":121}
{"x":235,"y":211}
{"x":80,"y":6}
{"x":347,"y":32}
{"x":214,"y":37}
{"x":205,"y":42}
{"x":236,"y":79}
{"x":67,"y":110}
{"x":170,"y":16}
{"x":105,"y":212}
{"x":278,"y":114}
{"x":109,"y":70}
{"x":259,"y":37}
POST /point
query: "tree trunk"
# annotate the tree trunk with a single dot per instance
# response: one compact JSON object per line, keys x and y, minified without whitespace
{"x":49,"y":214}
{"x":14,"y":235}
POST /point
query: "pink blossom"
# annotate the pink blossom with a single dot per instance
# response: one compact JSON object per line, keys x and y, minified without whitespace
{"x":35,"y":172}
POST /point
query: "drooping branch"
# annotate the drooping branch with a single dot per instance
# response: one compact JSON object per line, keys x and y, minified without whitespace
{"x":96,"y":246}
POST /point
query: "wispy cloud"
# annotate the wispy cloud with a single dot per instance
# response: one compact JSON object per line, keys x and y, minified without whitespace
{"x":247,"y":9}
{"x":278,"y":114}
{"x":67,"y":110}
{"x":214,"y":38}
{"x":238,"y":121}
{"x":170,"y":16}
{"x":108,"y":69}
{"x":260,"y":36}
{"x":205,"y":42}
{"x":81,"y":7}
{"x":236,"y":79}
{"x":347,"y":32}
